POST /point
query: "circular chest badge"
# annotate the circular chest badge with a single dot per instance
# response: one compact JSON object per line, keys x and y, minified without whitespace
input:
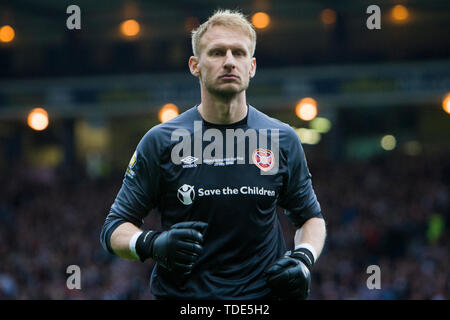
{"x":263,"y":159}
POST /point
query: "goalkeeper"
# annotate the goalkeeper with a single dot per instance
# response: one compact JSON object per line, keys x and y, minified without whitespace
{"x":221,"y":237}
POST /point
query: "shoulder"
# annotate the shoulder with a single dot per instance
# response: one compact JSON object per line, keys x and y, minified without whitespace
{"x":260,"y":120}
{"x":161,"y":134}
{"x":159,"y":137}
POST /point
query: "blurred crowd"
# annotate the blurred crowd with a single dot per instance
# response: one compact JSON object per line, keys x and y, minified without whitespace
{"x":391,"y":212}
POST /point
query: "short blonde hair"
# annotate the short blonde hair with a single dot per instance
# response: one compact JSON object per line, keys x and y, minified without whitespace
{"x":226,"y":18}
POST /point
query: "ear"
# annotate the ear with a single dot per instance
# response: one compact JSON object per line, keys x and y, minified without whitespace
{"x":193,"y":66}
{"x":253,"y":67}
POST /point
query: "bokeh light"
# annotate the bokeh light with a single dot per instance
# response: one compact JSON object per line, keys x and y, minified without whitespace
{"x":412,"y":148}
{"x":388,"y":142}
{"x":308,"y":136}
{"x":7,"y":34}
{"x":306,"y":109}
{"x":260,"y":20}
{"x":320,"y":124}
{"x":38,"y":119}
{"x":130,"y":28}
{"x":328,"y":16}
{"x":399,"y":13}
{"x":446,"y":103}
{"x":168,"y":112}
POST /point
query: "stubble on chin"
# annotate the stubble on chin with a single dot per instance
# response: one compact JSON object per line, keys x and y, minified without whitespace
{"x":227,"y":92}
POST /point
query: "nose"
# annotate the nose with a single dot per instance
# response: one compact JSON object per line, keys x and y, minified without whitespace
{"x":230,"y":62}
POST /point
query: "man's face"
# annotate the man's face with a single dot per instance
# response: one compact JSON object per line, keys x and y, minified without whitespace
{"x":225,"y":64}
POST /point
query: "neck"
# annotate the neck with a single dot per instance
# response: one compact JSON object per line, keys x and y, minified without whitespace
{"x":223,"y":109}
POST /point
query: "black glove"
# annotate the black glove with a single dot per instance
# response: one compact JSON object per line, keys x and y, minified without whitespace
{"x":290,"y":276}
{"x":176,"y":249}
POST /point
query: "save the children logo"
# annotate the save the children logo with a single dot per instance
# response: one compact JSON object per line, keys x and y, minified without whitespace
{"x":186,"y":194}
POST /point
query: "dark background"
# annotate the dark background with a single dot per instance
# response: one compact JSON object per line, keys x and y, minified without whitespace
{"x":103,"y":91}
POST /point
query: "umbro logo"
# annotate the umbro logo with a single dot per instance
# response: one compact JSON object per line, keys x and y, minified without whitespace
{"x":189,"y":160}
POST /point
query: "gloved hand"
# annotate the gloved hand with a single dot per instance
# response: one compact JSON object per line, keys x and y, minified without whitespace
{"x":176,"y":249}
{"x":290,"y":276}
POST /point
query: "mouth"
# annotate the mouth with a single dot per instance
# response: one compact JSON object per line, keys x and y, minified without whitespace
{"x":229,"y":76}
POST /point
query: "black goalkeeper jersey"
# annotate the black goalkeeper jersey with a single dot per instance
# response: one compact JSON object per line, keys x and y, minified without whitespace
{"x":182,"y":169}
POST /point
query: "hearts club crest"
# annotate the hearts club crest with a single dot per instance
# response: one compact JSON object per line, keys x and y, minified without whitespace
{"x":263,"y":159}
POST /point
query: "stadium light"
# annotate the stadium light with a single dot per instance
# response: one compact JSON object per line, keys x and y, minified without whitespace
{"x":260,"y":20}
{"x":38,"y":119}
{"x":7,"y":34}
{"x":328,"y":16}
{"x":321,"y":125}
{"x":400,"y":13}
{"x":388,"y":142}
{"x":308,"y":136}
{"x":446,"y":103}
{"x":130,"y":28}
{"x":412,"y":148}
{"x":306,"y":109}
{"x":168,"y":112}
